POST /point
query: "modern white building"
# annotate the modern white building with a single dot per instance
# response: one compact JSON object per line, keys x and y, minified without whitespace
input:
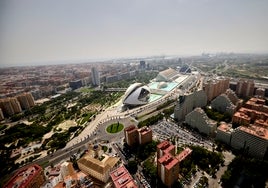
{"x":136,"y":94}
{"x":223,"y":104}
{"x":188,"y":102}
{"x":199,"y":119}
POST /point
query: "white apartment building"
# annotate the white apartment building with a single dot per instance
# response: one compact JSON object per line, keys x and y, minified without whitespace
{"x":199,"y":119}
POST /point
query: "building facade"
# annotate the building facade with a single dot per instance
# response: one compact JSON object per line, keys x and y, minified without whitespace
{"x":134,"y":136}
{"x":199,"y":119}
{"x":188,"y":103}
{"x":223,"y":104}
{"x":95,"y":76}
{"x":215,"y":86}
{"x":245,"y":88}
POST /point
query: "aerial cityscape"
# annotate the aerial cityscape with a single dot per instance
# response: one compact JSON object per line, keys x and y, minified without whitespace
{"x":126,"y":94}
{"x":156,"y":122}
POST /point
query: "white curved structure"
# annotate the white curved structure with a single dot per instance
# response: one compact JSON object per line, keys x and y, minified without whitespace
{"x":136,"y":94}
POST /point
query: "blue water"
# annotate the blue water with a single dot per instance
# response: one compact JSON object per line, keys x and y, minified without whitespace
{"x":154,"y":97}
{"x":170,"y":86}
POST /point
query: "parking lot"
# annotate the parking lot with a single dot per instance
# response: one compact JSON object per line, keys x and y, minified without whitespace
{"x":167,"y":130}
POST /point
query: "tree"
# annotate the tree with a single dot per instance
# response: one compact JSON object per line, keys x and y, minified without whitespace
{"x":132,"y":166}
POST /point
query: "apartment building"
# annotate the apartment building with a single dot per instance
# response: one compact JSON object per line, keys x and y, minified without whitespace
{"x":199,"y":119}
{"x":134,"y":136}
{"x":215,"y":86}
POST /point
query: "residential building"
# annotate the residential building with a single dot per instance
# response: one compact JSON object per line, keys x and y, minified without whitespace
{"x":224,"y":132}
{"x":253,"y":140}
{"x":131,"y":135}
{"x":168,"y":169}
{"x":223,"y":104}
{"x":199,"y":119}
{"x":215,"y":86}
{"x":10,"y":106}
{"x":260,"y":92}
{"x":245,"y":88}
{"x":134,"y":136}
{"x":27,"y":177}
{"x":188,"y":102}
{"x":121,"y":178}
{"x":26,"y":100}
{"x":168,"y":162}
{"x":165,"y":147}
{"x":184,"y":154}
{"x":145,"y":135}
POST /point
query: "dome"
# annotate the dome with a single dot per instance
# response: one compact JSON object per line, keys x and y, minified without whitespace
{"x":162,"y":85}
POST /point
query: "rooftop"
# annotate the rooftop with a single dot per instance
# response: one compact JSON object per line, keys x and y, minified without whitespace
{"x":256,"y":131}
{"x":187,"y":151}
{"x":225,"y":127}
{"x":97,"y":165}
{"x":144,"y":130}
{"x":122,"y":179}
{"x":130,"y":128}
{"x":23,"y":177}
{"x":168,"y":161}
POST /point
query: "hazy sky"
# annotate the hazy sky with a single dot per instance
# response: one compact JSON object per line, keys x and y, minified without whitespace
{"x":34,"y":31}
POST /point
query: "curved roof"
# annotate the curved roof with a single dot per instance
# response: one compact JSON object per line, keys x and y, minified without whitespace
{"x":136,"y":94}
{"x":130,"y":89}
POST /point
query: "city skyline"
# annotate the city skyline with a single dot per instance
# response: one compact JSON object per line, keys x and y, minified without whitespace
{"x":40,"y":32}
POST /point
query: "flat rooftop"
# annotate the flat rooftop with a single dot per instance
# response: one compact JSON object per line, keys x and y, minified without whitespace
{"x":256,"y":131}
{"x":168,"y":161}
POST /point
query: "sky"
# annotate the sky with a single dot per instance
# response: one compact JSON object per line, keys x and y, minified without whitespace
{"x":43,"y":31}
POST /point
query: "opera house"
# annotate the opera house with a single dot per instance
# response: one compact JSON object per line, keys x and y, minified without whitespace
{"x":136,"y":94}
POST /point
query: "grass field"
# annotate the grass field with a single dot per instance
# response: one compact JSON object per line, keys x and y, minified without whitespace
{"x":115,"y":128}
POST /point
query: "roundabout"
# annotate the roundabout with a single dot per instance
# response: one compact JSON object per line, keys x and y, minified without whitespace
{"x":114,"y":128}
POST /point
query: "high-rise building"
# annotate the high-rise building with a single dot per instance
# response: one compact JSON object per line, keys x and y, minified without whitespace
{"x":199,"y":119}
{"x":134,"y":136}
{"x":188,"y":103}
{"x":15,"y":105}
{"x":168,"y":169}
{"x":131,"y":135}
{"x":95,"y":76}
{"x":167,"y":164}
{"x":10,"y":106}
{"x":142,"y":65}
{"x":27,"y":177}
{"x":165,"y":147}
{"x":215,"y":87}
{"x":145,"y":135}
{"x":245,"y":88}
{"x":26,"y":100}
